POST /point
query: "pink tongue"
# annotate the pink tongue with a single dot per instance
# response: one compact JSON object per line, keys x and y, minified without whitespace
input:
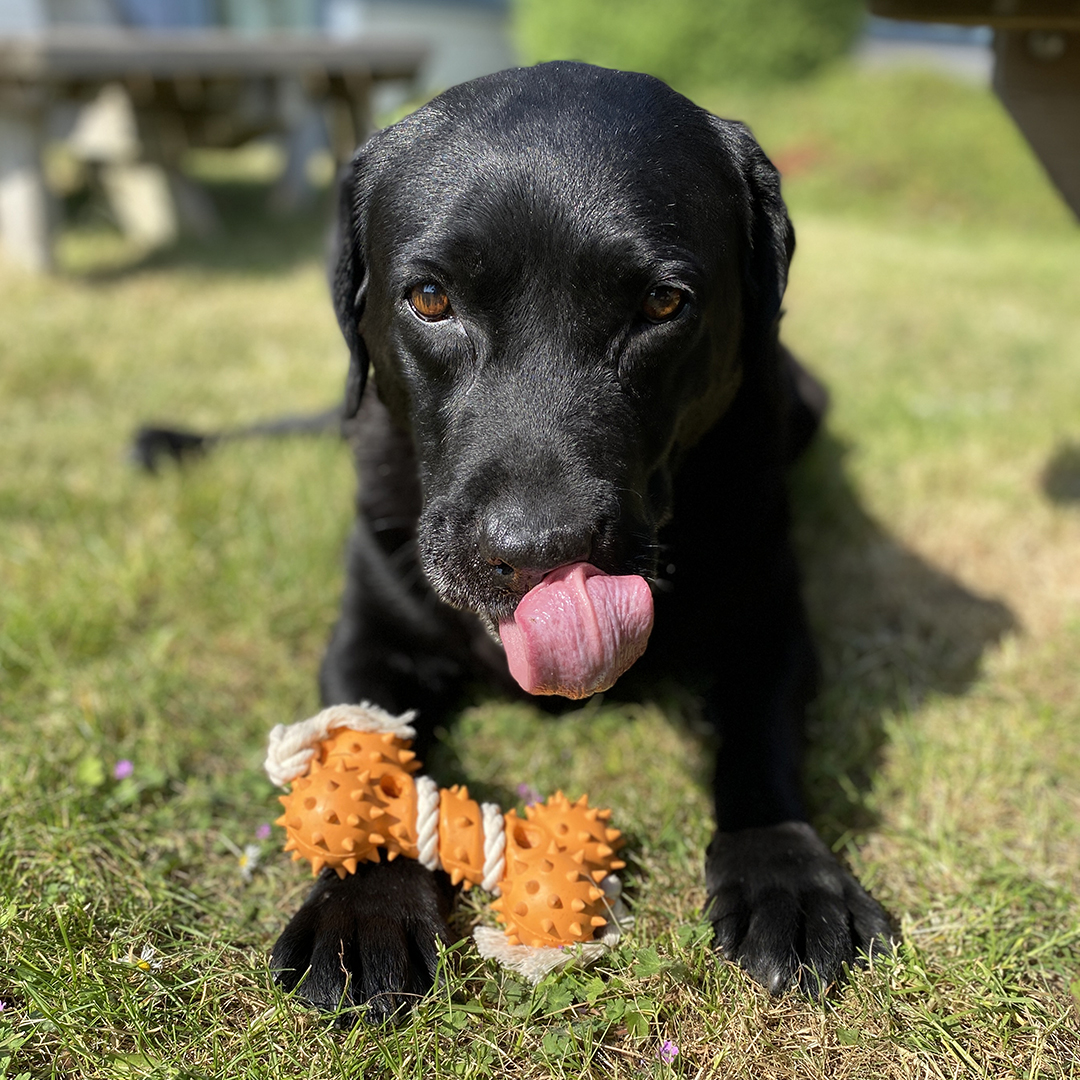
{"x":577,"y":631}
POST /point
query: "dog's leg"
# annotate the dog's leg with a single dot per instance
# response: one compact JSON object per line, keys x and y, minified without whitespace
{"x":806,"y":402}
{"x":368,"y":940}
{"x":780,"y":903}
{"x":395,"y":643}
{"x":371,"y":939}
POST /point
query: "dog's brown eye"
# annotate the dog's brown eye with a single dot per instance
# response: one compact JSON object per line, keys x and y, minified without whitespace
{"x":662,"y":303}
{"x":430,"y":301}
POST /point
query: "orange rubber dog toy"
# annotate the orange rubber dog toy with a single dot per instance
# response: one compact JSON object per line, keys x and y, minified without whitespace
{"x":354,"y":797}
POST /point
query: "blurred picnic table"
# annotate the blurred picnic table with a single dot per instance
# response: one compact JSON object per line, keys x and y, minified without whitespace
{"x":158,"y":93}
{"x":1036,"y":70}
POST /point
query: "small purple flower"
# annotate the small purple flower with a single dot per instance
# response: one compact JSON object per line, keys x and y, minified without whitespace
{"x":529,"y":794}
{"x":122,"y":769}
{"x":262,"y":832}
{"x":668,"y":1052}
{"x":3,"y":1005}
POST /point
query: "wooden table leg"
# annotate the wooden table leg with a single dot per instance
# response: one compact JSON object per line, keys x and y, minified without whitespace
{"x":1037,"y":78}
{"x":24,"y":199}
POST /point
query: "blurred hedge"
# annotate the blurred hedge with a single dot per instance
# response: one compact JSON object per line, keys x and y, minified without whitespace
{"x":691,"y":43}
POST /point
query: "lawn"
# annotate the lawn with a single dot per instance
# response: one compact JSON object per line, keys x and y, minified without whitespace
{"x":154,"y":628}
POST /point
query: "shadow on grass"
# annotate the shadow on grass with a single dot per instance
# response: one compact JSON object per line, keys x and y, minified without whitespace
{"x":1061,"y":476}
{"x":892,"y":630}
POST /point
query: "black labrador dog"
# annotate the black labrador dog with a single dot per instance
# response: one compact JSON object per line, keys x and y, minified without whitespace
{"x":566,"y":283}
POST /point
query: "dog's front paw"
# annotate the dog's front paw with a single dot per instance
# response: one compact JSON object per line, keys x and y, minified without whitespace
{"x":368,"y":940}
{"x":784,"y":909}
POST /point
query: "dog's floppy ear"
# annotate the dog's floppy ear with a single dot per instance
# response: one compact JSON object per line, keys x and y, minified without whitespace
{"x":770,"y":234}
{"x":349,"y":283}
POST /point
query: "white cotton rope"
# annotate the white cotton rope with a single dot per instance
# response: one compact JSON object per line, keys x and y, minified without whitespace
{"x":494,"y":825}
{"x":289,"y":756}
{"x":292,"y":746}
{"x":427,"y":822}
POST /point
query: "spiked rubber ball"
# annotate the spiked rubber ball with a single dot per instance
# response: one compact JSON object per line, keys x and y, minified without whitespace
{"x":354,"y":798}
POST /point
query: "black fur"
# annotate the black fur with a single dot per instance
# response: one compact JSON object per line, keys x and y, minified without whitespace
{"x":547,"y":421}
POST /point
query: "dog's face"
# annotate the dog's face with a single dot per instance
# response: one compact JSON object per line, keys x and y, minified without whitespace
{"x":556,"y":293}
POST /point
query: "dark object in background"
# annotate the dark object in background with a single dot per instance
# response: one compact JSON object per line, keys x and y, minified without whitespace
{"x":1061,"y":476}
{"x":151,"y":446}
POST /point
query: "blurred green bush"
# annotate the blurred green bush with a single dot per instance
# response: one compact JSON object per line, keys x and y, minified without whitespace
{"x":692,"y":43}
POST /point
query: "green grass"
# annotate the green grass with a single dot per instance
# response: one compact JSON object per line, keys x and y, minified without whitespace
{"x":171,"y":621}
{"x":900,"y":146}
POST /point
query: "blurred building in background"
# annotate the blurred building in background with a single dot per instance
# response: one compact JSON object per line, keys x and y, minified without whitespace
{"x":465,"y":38}
{"x":964,"y":52}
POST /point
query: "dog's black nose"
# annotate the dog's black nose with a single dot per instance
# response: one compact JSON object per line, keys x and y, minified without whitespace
{"x":515,"y":541}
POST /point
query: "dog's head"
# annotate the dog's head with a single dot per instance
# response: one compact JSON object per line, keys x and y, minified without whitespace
{"x":558,"y":276}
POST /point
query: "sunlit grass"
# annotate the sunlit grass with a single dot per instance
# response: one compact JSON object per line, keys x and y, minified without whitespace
{"x":171,"y":621}
{"x":904,"y":146}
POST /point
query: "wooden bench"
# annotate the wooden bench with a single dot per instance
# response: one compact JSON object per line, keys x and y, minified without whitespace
{"x":1036,"y":70}
{"x":186,"y":88}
